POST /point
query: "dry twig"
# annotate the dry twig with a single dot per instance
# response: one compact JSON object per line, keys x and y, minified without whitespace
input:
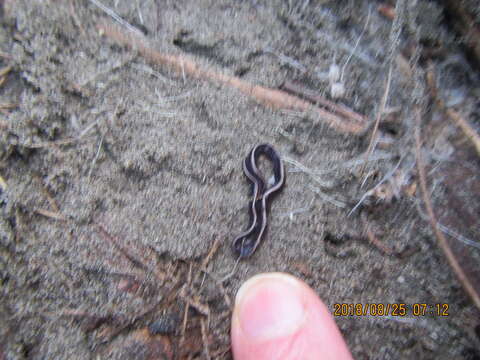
{"x":75,"y":18}
{"x":467,"y":129}
{"x":8,"y":106}
{"x":51,"y":214}
{"x":373,"y":239}
{"x":124,"y":251}
{"x":463,"y":124}
{"x":380,"y":112}
{"x":204,"y":330}
{"x":211,"y":253}
{"x":50,"y":143}
{"x":3,"y":183}
{"x":330,"y":105}
{"x":442,"y":241}
{"x":273,"y":98}
{"x":4,"y":71}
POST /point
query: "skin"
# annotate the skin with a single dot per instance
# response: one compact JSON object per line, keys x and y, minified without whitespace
{"x":277,"y":316}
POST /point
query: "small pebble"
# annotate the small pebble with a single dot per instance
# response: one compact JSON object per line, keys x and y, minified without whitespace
{"x":337,"y":90}
{"x":334,"y":73}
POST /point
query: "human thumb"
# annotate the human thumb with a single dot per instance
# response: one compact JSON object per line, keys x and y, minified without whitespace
{"x":277,"y":316}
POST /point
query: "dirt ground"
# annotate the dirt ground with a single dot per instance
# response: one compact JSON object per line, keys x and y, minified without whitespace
{"x":122,"y":182}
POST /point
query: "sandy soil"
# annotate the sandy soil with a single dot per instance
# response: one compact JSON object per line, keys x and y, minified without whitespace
{"x":120,"y":177}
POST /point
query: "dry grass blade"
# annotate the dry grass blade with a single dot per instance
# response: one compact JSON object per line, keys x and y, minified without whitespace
{"x":272,"y":98}
{"x":8,"y":106}
{"x":4,"y":71}
{"x":466,"y":128}
{"x":116,"y":17}
{"x":3,"y":183}
{"x":50,"y":143}
{"x":211,"y":253}
{"x":380,"y":112}
{"x":51,"y":214}
{"x":203,"y":324}
{"x":442,"y":241}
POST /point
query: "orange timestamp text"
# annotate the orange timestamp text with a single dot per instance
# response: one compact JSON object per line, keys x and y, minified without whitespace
{"x":390,"y":309}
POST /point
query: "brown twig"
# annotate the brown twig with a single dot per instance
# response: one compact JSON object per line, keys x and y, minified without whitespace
{"x":3,"y":183}
{"x":187,"y":306}
{"x":374,"y":241}
{"x":203,"y":327}
{"x":272,"y":98}
{"x":50,"y":143}
{"x":8,"y":106}
{"x":330,"y":105}
{"x":91,"y":321}
{"x":380,"y":112}
{"x":467,"y":129}
{"x":211,"y":253}
{"x":6,"y":55}
{"x":51,"y":214}
{"x":442,"y":241}
{"x":53,"y":203}
{"x":126,"y":324}
{"x":4,"y":71}
{"x":75,"y":18}
{"x":463,"y":124}
{"x":116,"y":244}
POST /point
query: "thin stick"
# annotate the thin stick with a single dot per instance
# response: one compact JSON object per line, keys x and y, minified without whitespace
{"x":3,"y":183}
{"x":463,"y":124}
{"x":370,"y":192}
{"x":124,"y":251}
{"x":330,"y":105}
{"x":51,"y":200}
{"x":8,"y":106}
{"x":205,"y":338}
{"x":66,"y":141}
{"x":211,"y":253}
{"x":75,"y":18}
{"x":4,"y":71}
{"x":187,"y":306}
{"x":184,"y":322}
{"x":95,"y":158}
{"x":467,"y":129}
{"x":272,"y":98}
{"x":51,"y":214}
{"x":380,"y":112}
{"x":116,"y":17}
{"x":442,"y":241}
{"x":357,"y":43}
{"x":452,"y":233}
{"x":310,"y":172}
{"x":373,"y":239}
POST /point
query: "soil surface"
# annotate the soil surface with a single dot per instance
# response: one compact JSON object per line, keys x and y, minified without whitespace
{"x":122,"y":185}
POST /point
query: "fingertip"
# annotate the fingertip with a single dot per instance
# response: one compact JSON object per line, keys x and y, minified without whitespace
{"x":277,"y":316}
